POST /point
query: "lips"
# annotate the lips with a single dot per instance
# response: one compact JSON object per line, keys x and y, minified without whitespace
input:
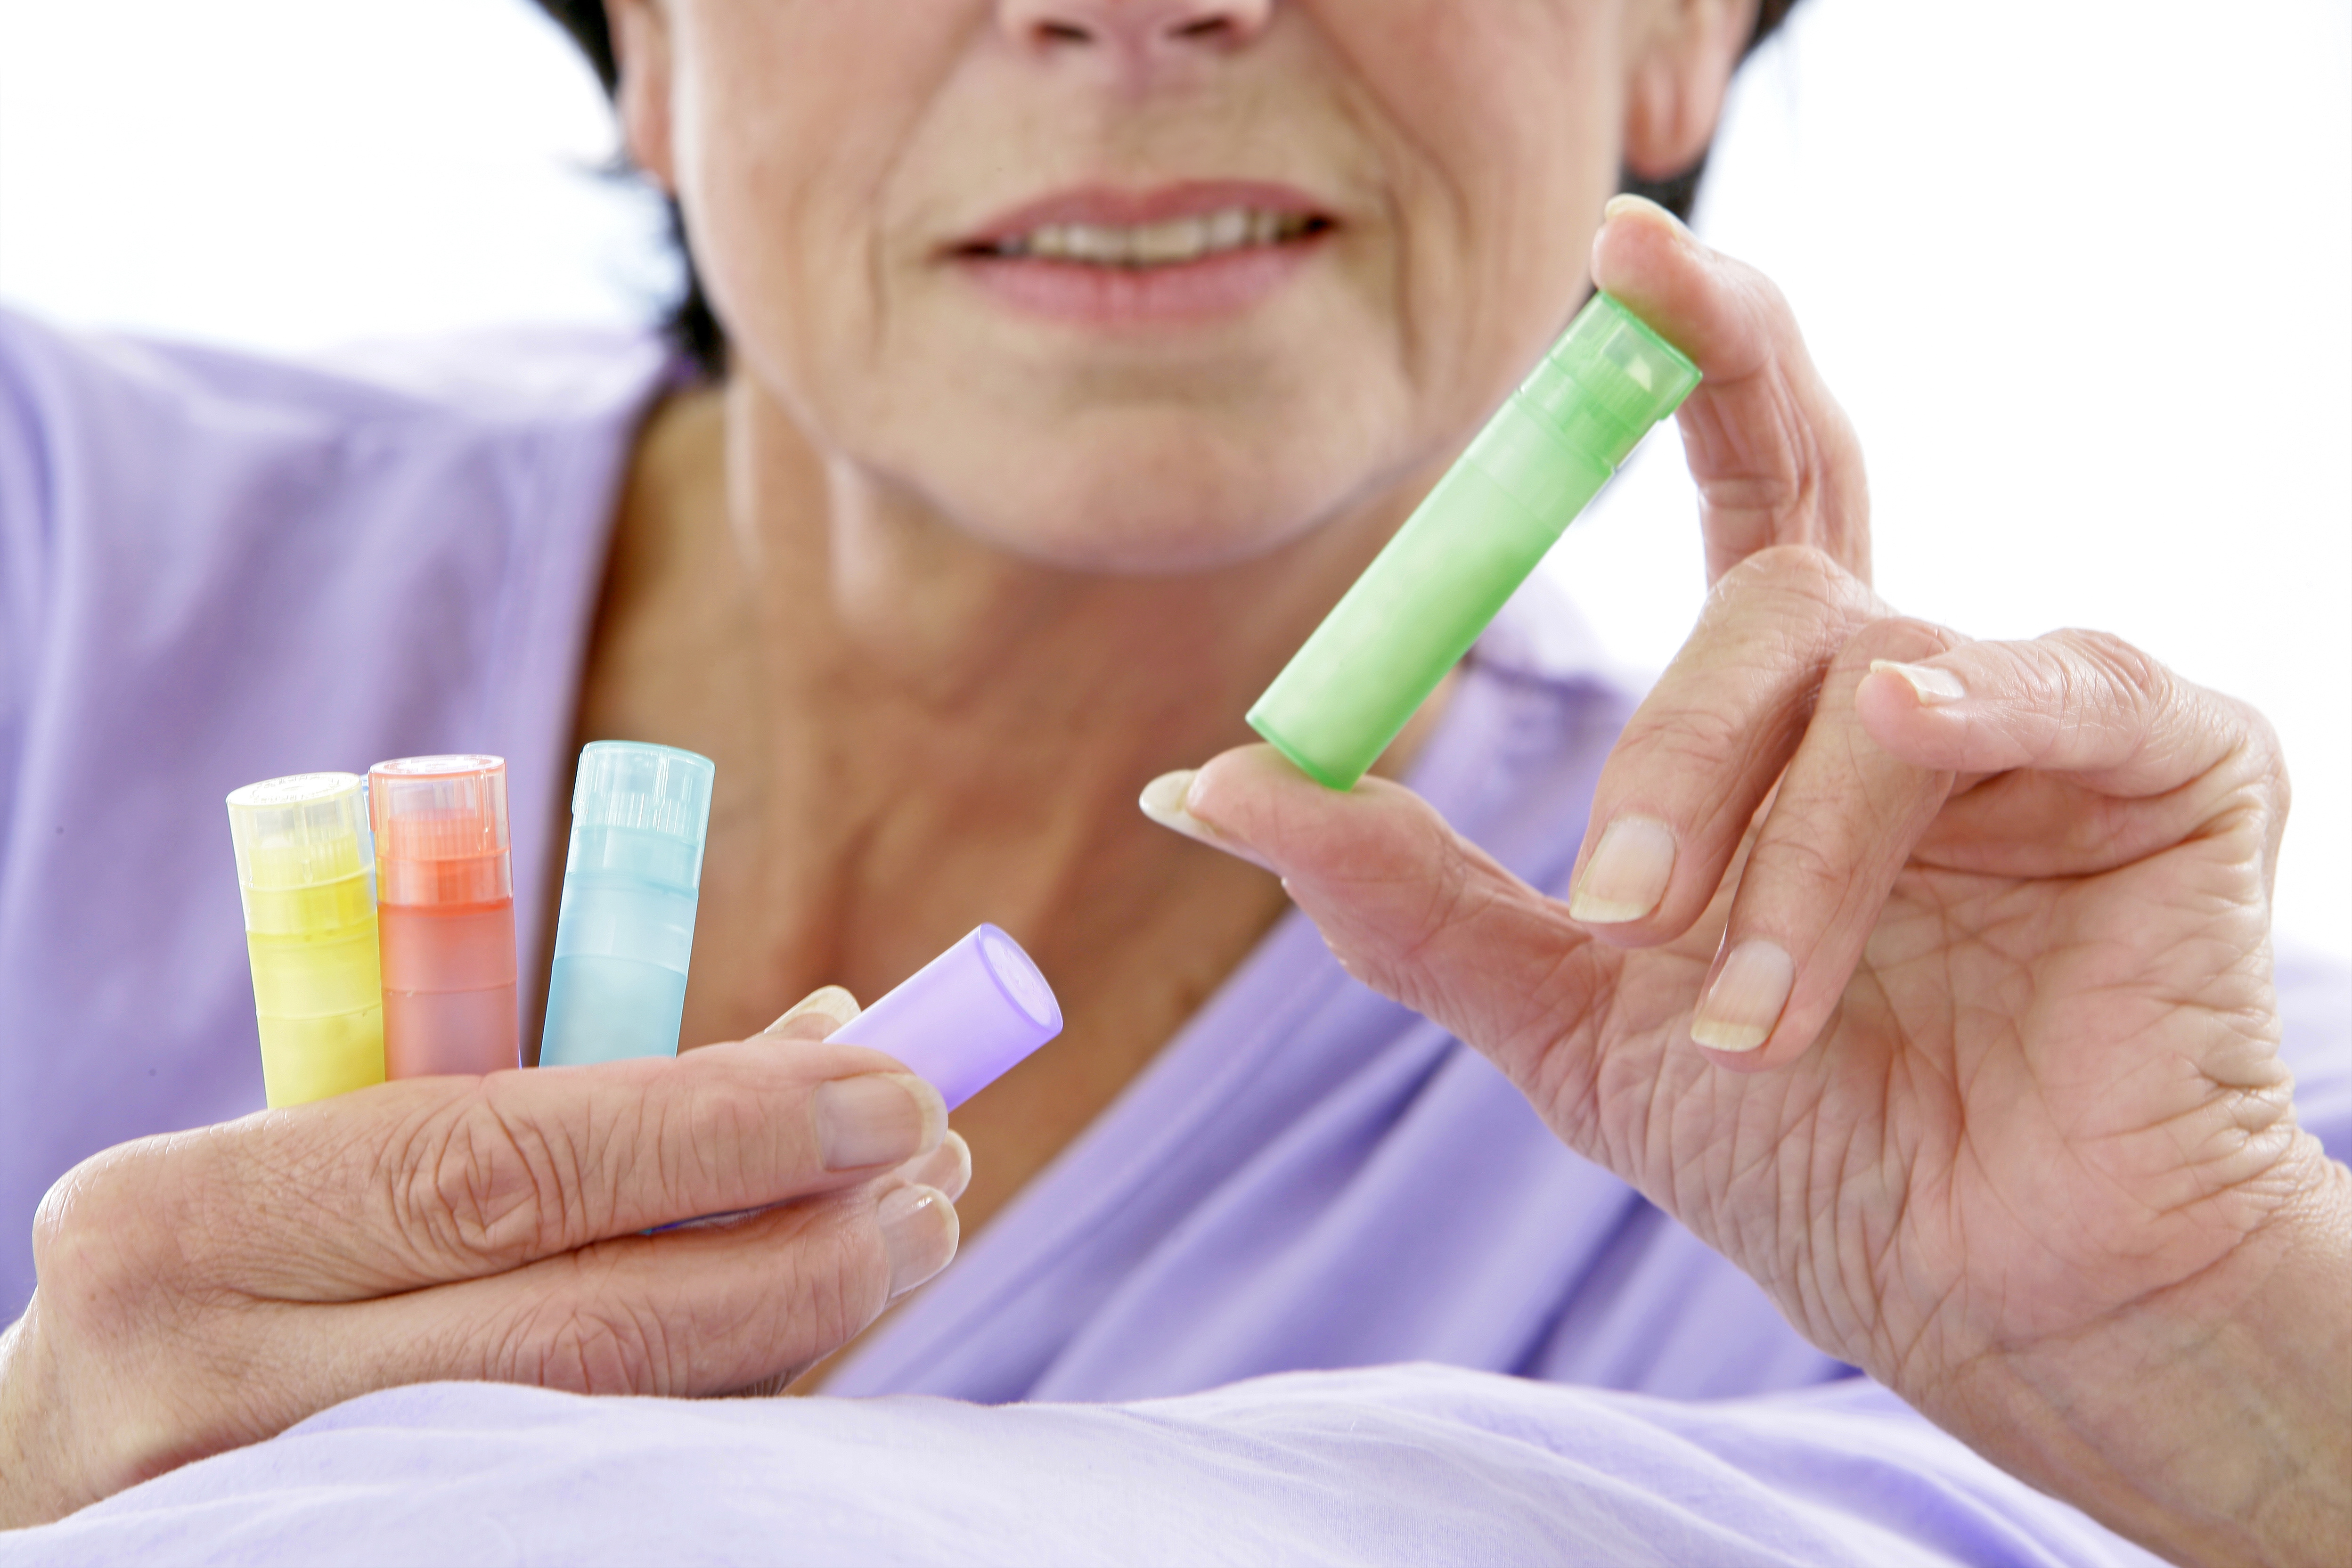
{"x":1105,"y":257}
{"x":1167,"y":243}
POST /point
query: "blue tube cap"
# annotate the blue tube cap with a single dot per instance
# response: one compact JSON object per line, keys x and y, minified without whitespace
{"x":658,"y":800}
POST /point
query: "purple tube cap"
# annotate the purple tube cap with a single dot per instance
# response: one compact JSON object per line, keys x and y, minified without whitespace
{"x":962,"y":1020}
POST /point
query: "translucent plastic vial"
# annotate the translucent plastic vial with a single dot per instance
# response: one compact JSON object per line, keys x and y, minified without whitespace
{"x":964,"y":1019}
{"x":1467,"y":549}
{"x":639,"y":816}
{"x":445,"y":891}
{"x":311,"y":930}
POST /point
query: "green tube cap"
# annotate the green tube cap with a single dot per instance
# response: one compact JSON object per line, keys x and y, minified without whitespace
{"x":1466,"y":549}
{"x":1607,"y":380}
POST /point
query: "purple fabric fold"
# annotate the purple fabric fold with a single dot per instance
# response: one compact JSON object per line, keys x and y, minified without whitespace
{"x":1411,"y":1463}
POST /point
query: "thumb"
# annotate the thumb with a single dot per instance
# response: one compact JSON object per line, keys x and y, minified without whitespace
{"x":1408,"y":905}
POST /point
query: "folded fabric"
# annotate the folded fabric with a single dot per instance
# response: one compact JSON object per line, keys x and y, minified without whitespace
{"x":1392,"y":1465}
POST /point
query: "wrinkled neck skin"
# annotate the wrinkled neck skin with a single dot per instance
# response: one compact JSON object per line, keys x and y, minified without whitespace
{"x":916,"y":731}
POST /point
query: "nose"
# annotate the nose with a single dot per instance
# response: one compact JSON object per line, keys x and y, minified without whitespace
{"x":1136,"y":34}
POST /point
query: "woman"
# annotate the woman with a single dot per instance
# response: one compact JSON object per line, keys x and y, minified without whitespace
{"x":1079,"y":354}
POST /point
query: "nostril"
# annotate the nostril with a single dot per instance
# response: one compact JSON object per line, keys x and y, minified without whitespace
{"x":1139,"y":27}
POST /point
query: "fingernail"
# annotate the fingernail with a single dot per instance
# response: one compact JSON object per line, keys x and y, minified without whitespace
{"x":816,"y":1015}
{"x":919,"y":1233}
{"x":1627,"y":874}
{"x":947,"y":1167}
{"x":1933,"y":687}
{"x":877,"y":1119}
{"x":1740,"y":1009}
{"x":1163,"y":800}
{"x":1627,"y":202}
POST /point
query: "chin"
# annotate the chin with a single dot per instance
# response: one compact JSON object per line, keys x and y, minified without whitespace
{"x":1149,"y":518}
{"x":1121,"y":486}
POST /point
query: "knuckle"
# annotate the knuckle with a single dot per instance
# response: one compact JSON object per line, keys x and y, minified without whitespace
{"x":2045,"y":671}
{"x":1803,"y":573}
{"x":2260,"y":736}
{"x":1683,"y":741}
{"x":76,"y":1203}
{"x":1390,"y":901}
{"x":2125,"y":668}
{"x":831,"y":1296}
{"x":1770,"y":302}
{"x":2255,"y":737}
{"x":97,"y":1230}
{"x":1801,"y":593}
{"x":844,"y":1281}
{"x":478,"y":1183}
{"x":1802,"y":872}
{"x":2267,"y":754}
{"x":612,"y":1350}
{"x":575,"y":1342}
{"x":2106,"y":683}
{"x":707,"y":1142}
{"x":833,"y":1279}
{"x":2256,"y":753}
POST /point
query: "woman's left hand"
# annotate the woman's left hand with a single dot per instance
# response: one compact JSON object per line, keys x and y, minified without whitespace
{"x":1977,"y":934}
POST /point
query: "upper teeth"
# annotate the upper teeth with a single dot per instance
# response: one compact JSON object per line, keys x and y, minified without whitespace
{"x":1156,"y":244}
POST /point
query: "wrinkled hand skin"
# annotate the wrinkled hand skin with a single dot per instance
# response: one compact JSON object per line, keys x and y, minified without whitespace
{"x":2019,"y":1142}
{"x":206,"y":1289}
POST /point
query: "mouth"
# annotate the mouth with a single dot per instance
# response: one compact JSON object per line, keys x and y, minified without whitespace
{"x":1171,"y":242}
{"x":1107,"y":258}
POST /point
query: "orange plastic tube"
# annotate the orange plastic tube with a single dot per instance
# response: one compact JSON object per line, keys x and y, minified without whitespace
{"x":445,"y":906}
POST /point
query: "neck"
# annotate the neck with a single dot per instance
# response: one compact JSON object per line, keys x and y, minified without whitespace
{"x":917,"y":730}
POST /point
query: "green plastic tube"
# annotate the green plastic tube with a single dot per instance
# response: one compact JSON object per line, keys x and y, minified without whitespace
{"x":1466,"y":549}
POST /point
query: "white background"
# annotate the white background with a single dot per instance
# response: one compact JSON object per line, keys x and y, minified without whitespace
{"x":2082,"y":274}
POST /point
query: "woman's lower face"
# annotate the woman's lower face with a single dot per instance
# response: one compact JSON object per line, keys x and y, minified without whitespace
{"x":1140,"y":285}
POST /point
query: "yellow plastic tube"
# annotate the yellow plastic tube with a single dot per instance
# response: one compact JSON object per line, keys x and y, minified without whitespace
{"x":305,"y":872}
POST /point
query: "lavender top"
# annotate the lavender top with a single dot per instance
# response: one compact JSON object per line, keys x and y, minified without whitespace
{"x":214,"y":570}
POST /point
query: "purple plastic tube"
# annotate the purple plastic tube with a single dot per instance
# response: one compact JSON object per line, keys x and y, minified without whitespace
{"x":960,"y":1023}
{"x":962,"y":1020}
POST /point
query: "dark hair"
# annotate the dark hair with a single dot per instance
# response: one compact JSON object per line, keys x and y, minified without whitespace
{"x":697,"y":332}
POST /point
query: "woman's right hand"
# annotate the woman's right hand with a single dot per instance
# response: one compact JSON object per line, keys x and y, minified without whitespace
{"x":204,"y":1290}
{"x":1976,"y":938}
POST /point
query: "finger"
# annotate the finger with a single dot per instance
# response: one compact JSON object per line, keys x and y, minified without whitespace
{"x":1815,"y":883}
{"x":948,"y":1167}
{"x":430,"y":1179}
{"x":1408,"y":905}
{"x":691,"y":1312}
{"x":814,"y":1017}
{"x":2104,"y":755}
{"x":2073,"y":702}
{"x":1163,"y":800}
{"x":1774,"y":456}
{"x":1686,"y":777}
{"x":829,"y":1008}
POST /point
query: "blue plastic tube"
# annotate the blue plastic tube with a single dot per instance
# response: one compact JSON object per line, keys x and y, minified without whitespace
{"x":639,"y":816}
